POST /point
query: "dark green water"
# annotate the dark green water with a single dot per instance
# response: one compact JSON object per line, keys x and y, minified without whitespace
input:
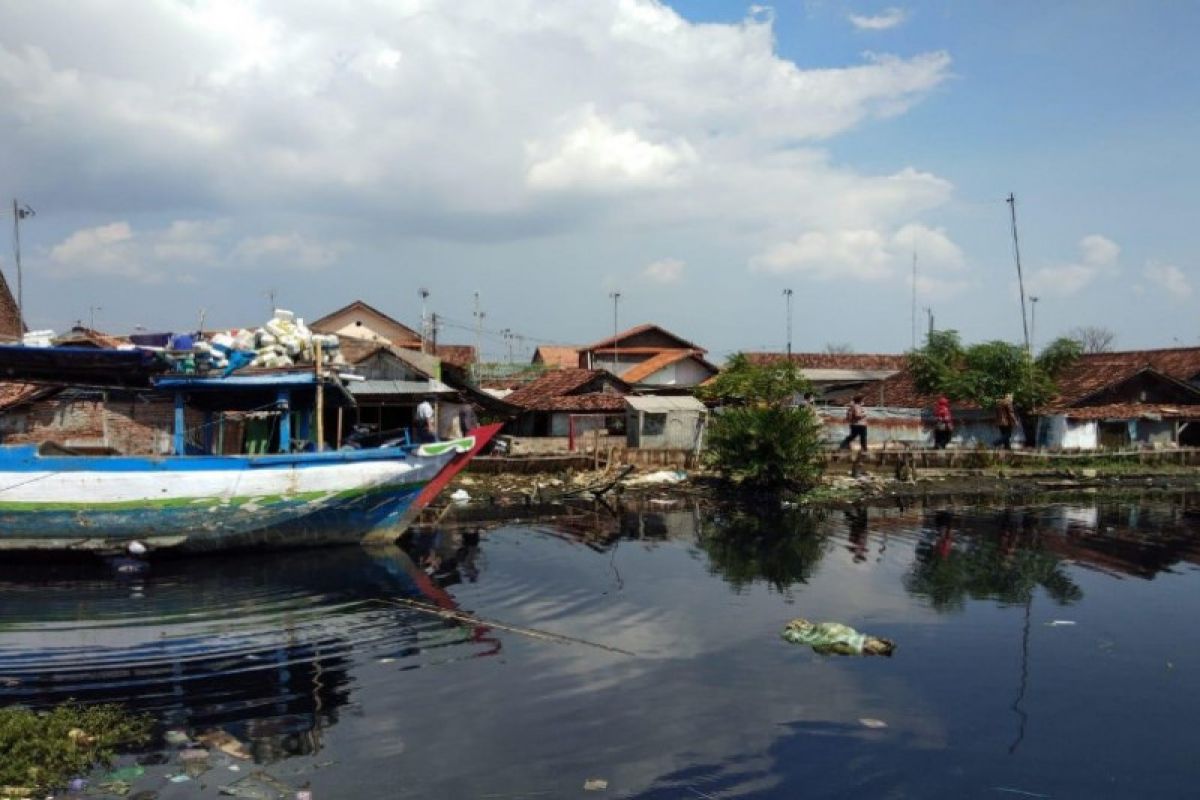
{"x":1043,"y":651}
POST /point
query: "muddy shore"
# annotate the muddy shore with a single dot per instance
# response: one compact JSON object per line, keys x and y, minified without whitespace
{"x":477,"y":498}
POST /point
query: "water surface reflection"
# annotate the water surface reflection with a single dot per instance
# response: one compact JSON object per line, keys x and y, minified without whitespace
{"x":1040,"y":650}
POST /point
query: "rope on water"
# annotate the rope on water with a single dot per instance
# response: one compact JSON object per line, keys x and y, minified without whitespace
{"x":462,"y":616}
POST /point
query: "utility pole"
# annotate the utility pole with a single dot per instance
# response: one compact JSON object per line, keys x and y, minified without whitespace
{"x":1033,"y":300}
{"x":929,"y":311}
{"x":616,"y":298}
{"x":20,"y":212}
{"x":478,"y":337}
{"x":787,"y":293}
{"x":914,"y":301}
{"x":507,"y":334}
{"x":1012,"y":207}
{"x":271,"y":300}
{"x":92,"y":316}
{"x":433,"y":330}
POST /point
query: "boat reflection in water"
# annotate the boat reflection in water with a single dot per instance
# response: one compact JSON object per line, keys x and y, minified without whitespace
{"x":261,"y":645}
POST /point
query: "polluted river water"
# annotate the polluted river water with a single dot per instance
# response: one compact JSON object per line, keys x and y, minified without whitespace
{"x":1042,"y":651}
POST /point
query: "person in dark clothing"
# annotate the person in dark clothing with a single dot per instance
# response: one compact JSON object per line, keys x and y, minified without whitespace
{"x":1006,"y":420}
{"x":856,"y":415}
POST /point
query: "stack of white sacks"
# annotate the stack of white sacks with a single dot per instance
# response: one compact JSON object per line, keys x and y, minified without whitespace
{"x":283,"y":342}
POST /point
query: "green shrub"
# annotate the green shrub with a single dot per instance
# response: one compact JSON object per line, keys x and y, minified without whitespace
{"x":759,"y":437}
{"x":45,"y":749}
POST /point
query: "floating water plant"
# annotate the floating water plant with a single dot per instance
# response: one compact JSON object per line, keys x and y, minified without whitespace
{"x":45,"y":749}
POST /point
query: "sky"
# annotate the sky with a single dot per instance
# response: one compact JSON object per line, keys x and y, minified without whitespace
{"x":189,"y":158}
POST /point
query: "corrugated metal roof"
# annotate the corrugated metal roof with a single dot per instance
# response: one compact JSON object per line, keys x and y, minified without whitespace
{"x":853,"y":361}
{"x":848,"y":375}
{"x":430,"y":386}
{"x":660,"y":403}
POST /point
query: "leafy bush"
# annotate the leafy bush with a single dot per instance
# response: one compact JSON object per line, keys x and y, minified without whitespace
{"x":45,"y":749}
{"x":759,"y":437}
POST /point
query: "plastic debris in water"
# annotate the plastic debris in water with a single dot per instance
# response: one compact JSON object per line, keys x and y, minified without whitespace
{"x":870,"y":722}
{"x":1055,"y":623}
{"x":225,"y":743}
{"x":835,"y":638}
{"x":176,"y":738}
{"x":595,"y":785}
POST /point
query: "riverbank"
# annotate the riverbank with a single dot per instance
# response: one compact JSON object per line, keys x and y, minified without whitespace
{"x":847,"y":482}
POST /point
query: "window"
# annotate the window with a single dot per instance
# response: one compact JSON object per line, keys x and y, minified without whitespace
{"x":654,"y":424}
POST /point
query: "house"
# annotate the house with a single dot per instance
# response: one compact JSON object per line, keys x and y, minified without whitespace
{"x":362,"y":321}
{"x":1115,"y":402}
{"x":395,"y":379}
{"x":358,"y":320}
{"x":568,"y":402}
{"x":553,"y":356}
{"x":670,"y":423}
{"x":649,"y":356}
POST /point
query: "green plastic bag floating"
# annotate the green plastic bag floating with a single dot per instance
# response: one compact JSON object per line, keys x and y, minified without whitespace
{"x":834,"y":638}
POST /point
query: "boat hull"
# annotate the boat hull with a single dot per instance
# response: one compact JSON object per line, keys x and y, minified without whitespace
{"x":205,"y":503}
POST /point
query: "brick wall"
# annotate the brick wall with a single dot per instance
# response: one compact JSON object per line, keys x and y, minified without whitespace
{"x":124,"y":423}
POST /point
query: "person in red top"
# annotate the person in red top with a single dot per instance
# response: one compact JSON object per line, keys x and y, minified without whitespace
{"x":943,"y":423}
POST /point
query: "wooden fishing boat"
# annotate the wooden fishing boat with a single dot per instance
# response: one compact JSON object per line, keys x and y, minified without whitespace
{"x":195,"y":500}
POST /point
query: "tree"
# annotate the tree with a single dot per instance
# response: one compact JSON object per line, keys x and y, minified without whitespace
{"x":839,"y":348}
{"x":759,"y":437}
{"x":985,"y":372}
{"x":1093,"y":338}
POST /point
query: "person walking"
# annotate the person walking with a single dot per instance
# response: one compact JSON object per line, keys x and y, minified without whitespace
{"x":1006,"y":420}
{"x":856,"y":416}
{"x":943,"y":423}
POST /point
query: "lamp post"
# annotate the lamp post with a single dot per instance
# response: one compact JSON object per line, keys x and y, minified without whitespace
{"x":787,"y":294}
{"x":20,"y":212}
{"x":424,"y":293}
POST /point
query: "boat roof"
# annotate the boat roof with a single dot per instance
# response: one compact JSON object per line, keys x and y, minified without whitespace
{"x":127,"y":368}
{"x":241,"y":392}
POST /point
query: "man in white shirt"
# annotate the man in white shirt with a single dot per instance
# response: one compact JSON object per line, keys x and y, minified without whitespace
{"x":426,"y":430}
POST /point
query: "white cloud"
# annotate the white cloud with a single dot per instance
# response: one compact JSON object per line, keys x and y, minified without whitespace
{"x":1097,"y":251}
{"x":664,"y":271}
{"x":864,"y":254}
{"x":889,"y":18}
{"x":595,"y":155}
{"x":288,"y":250}
{"x":151,"y":256}
{"x":439,"y":114}
{"x":1098,"y":257}
{"x":1169,"y":277}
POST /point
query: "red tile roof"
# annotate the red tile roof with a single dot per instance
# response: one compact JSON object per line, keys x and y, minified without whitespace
{"x":1088,"y":376}
{"x":1122,"y":411}
{"x":84,"y":337}
{"x":15,"y":394}
{"x":562,"y":390}
{"x":634,"y":331}
{"x":582,"y":403}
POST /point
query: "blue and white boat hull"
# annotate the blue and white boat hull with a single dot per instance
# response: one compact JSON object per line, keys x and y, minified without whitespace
{"x":216,"y":502}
